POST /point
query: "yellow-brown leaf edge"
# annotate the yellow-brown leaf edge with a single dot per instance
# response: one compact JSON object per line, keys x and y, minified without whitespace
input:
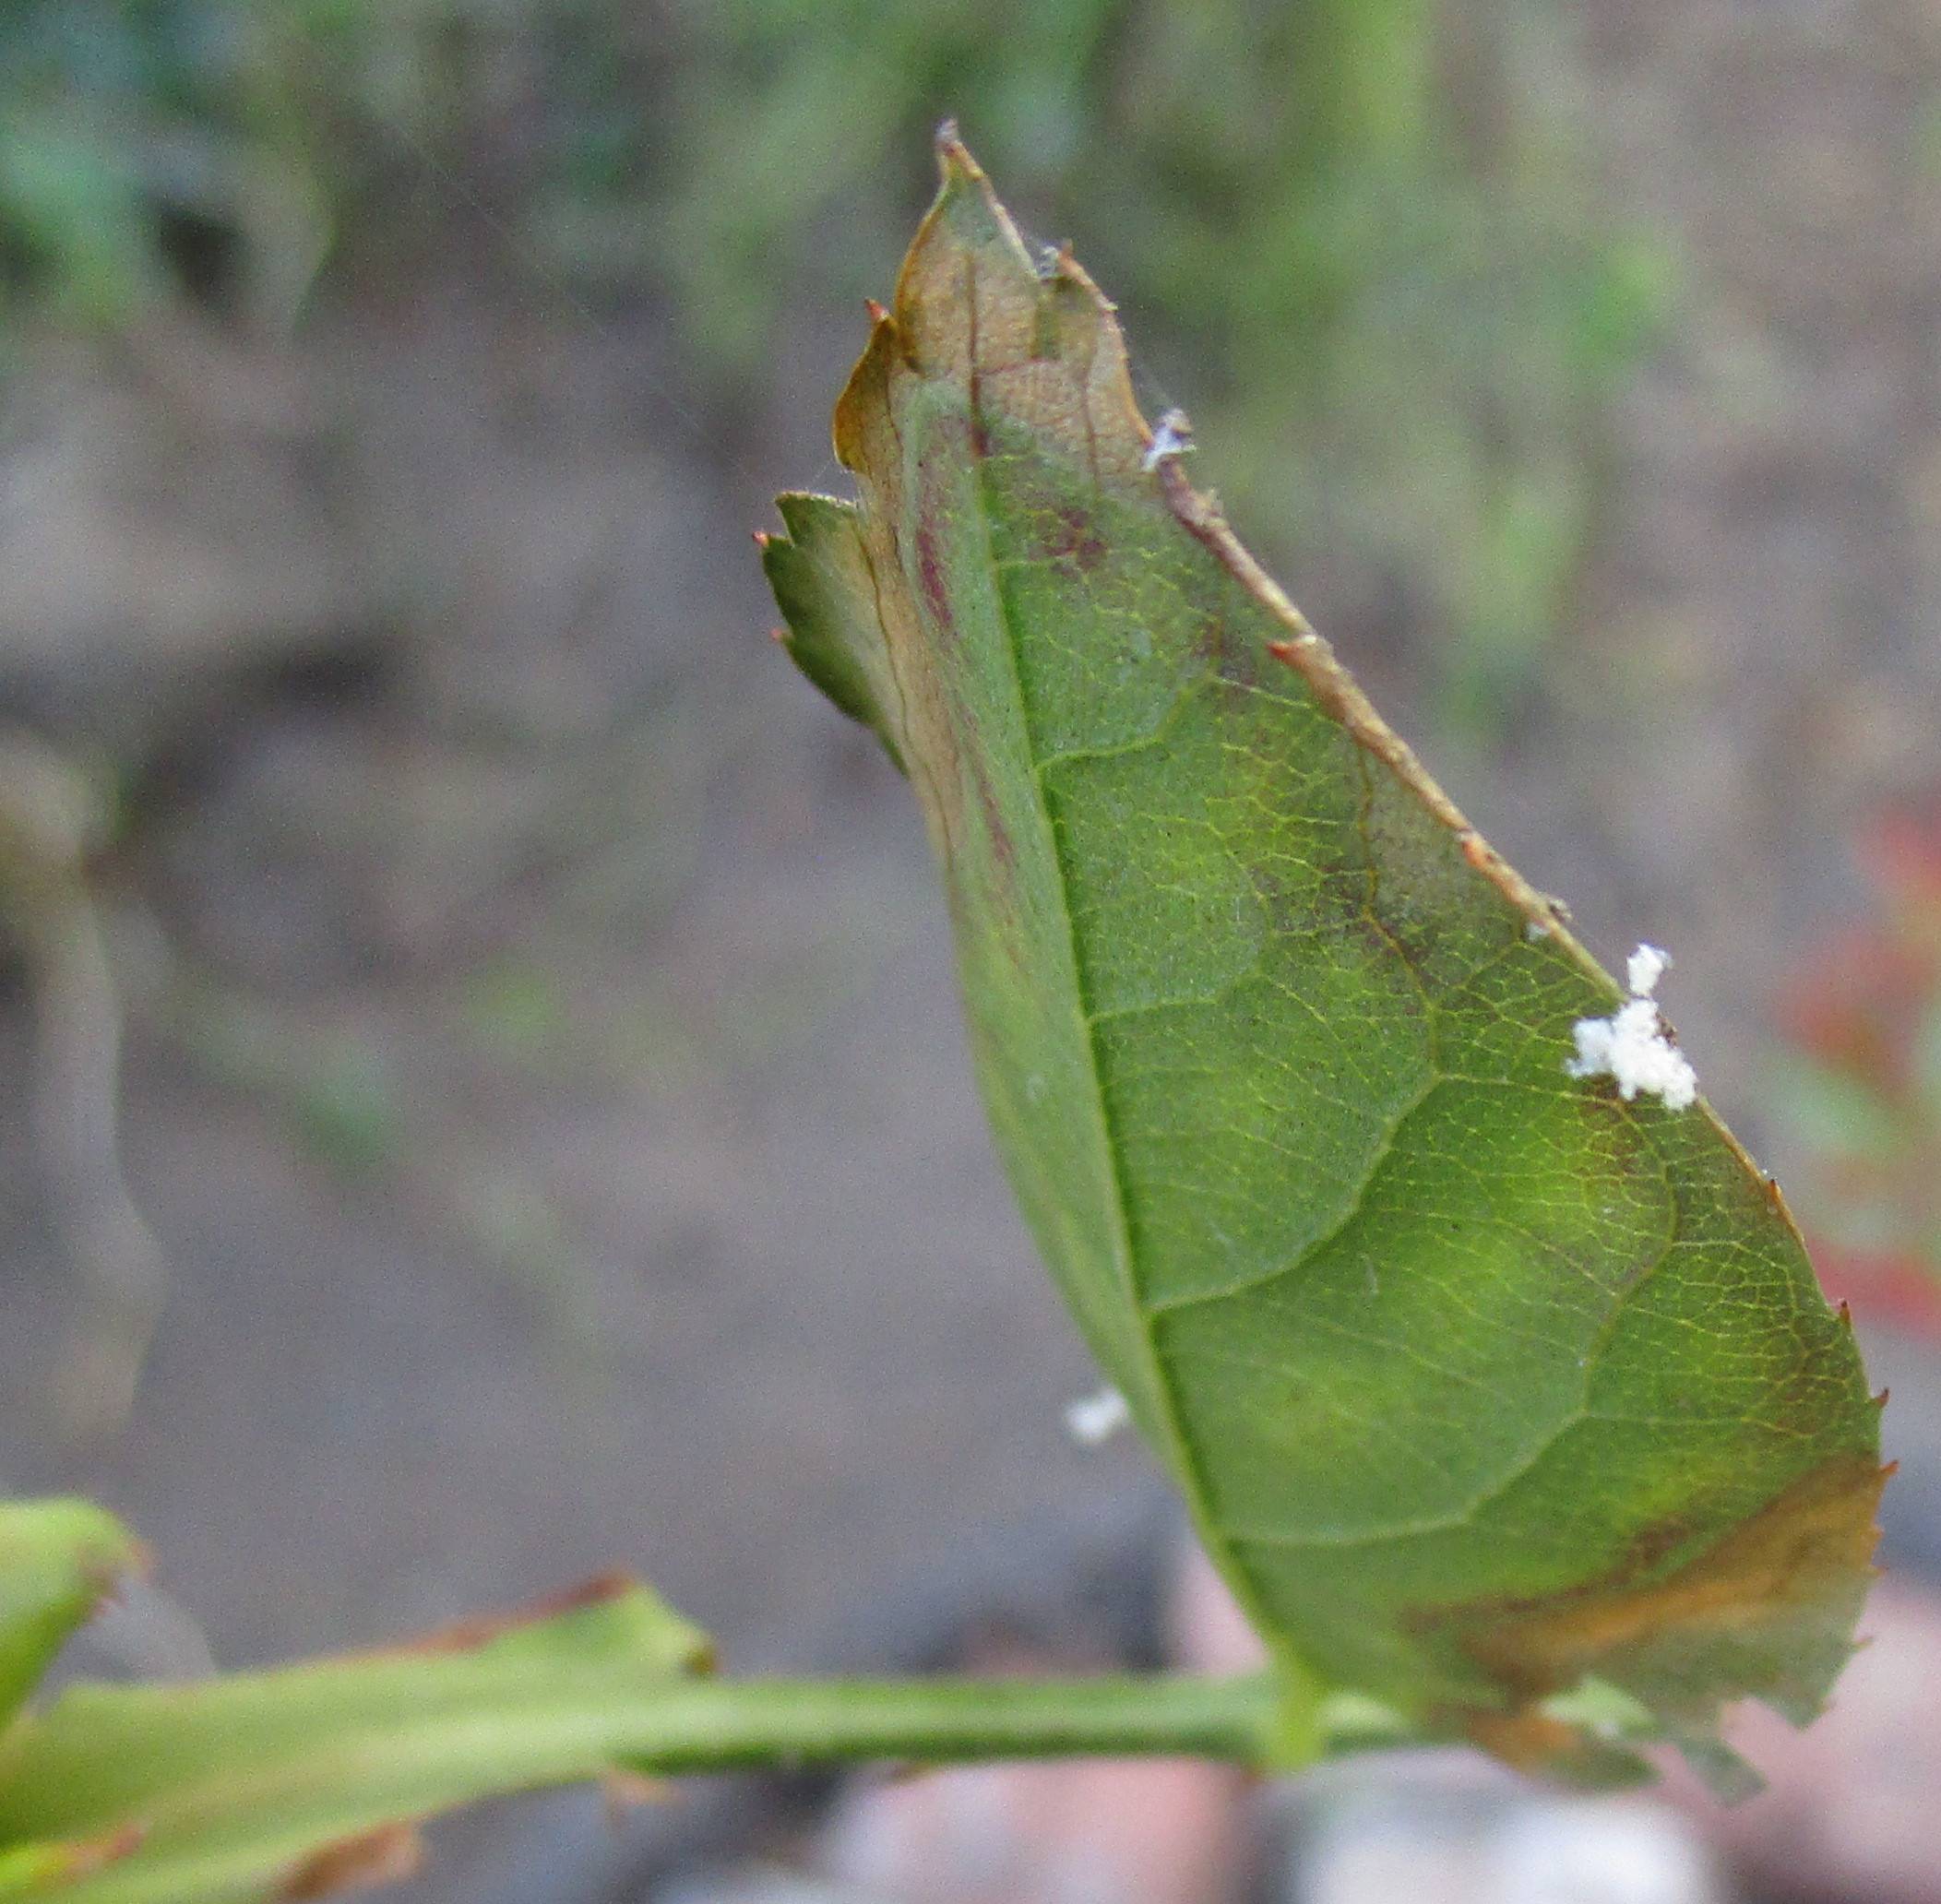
{"x":1538,"y":1396}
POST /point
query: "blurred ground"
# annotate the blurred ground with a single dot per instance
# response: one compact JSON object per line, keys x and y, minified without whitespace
{"x":544,"y":1078}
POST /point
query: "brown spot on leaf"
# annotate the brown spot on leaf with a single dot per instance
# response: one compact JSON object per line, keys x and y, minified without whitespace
{"x":1530,"y":1741}
{"x":1535,"y":1742}
{"x":1231,"y":660}
{"x":1004,"y":849}
{"x":388,"y":1855}
{"x":937,"y":506}
{"x":1809,"y":1547}
{"x":1074,"y":539}
{"x":930,"y":577}
{"x":1001,"y":897}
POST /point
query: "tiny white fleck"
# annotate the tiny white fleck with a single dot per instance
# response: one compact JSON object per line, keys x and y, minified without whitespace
{"x":1173,"y":437}
{"x":1097,"y":1418}
{"x":1536,"y":930}
{"x":1632,"y":1046}
{"x":1645,"y":968}
{"x":1035,"y":1088}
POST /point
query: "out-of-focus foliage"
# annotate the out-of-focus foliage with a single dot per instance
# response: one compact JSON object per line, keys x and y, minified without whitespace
{"x":1861,"y":1087}
{"x":1377,"y":205}
{"x":58,"y":1559}
{"x":149,"y":148}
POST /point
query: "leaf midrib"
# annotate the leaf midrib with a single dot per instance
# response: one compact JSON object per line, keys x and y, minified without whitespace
{"x":1188,"y":1460}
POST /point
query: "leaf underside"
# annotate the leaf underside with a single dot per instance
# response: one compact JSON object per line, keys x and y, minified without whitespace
{"x":1482,"y":1383}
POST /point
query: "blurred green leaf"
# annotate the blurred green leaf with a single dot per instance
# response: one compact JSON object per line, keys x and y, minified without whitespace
{"x":57,"y":1560}
{"x":73,"y":213}
{"x":295,"y":1782}
{"x":1836,"y":1113}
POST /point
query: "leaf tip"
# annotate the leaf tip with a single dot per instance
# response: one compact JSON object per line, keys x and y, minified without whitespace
{"x":862,"y":401}
{"x":954,"y":162}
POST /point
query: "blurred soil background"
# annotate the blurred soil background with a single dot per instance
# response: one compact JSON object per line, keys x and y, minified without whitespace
{"x":542,"y":1137}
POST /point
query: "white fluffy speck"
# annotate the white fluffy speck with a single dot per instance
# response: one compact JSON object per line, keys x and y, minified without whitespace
{"x":1645,"y":968}
{"x":1631,"y":1045}
{"x":1173,"y":437}
{"x":1097,"y":1418}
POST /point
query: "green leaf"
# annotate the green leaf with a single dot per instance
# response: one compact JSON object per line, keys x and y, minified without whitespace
{"x":1485,"y":1385}
{"x":820,"y":575}
{"x":295,"y":1782}
{"x":57,"y":1560}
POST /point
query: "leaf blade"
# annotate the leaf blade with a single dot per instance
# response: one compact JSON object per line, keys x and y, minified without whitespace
{"x":1273,"y":1046}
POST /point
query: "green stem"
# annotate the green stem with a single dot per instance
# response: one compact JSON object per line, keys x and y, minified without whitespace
{"x":705,"y":1725}
{"x":407,"y":1736}
{"x":224,"y":1789}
